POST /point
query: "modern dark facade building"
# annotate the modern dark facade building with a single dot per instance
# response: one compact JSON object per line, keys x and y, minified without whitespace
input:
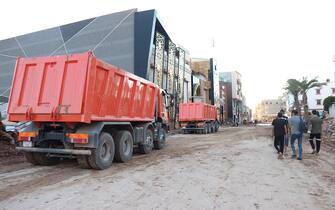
{"x":231,"y":81}
{"x":131,"y":40}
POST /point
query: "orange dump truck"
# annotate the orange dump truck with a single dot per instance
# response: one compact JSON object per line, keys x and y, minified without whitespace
{"x":198,"y":118}
{"x":82,"y":107}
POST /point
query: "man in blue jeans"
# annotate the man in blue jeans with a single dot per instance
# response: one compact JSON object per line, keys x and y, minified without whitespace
{"x":296,"y":133}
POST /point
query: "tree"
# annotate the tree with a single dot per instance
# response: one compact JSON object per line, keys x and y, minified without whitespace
{"x":293,"y":87}
{"x":328,"y":102}
{"x":304,"y":86}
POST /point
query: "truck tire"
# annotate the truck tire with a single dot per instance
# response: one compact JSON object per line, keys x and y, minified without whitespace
{"x":83,"y":162}
{"x":146,"y":146}
{"x":102,"y":156}
{"x":204,"y":131}
{"x":216,"y":126}
{"x":207,"y":128}
{"x":30,"y":158}
{"x":123,"y":146}
{"x":160,"y":143}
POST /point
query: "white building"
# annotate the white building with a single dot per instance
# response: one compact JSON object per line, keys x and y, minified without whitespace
{"x":315,"y":96}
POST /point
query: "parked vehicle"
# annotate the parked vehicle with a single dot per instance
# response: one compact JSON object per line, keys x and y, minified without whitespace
{"x":82,"y":107}
{"x":198,"y":117}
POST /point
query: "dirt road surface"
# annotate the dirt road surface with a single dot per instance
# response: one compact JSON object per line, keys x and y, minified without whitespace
{"x":236,"y":168}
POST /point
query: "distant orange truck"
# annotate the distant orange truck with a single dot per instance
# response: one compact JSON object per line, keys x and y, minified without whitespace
{"x":82,"y":107}
{"x":198,"y":117}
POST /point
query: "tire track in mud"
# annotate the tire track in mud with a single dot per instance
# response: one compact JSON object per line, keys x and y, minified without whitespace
{"x":223,"y":169}
{"x":28,"y":178}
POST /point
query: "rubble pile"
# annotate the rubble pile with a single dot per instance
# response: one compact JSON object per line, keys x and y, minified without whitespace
{"x":8,"y":150}
{"x":328,"y":135}
{"x":8,"y":154}
{"x":328,"y":129}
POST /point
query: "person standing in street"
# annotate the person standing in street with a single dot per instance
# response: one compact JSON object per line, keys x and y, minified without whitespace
{"x":286,"y":136}
{"x":295,"y":128}
{"x":279,"y":131}
{"x":315,"y":126}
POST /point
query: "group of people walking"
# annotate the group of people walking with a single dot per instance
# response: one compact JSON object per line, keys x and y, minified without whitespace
{"x":285,"y":129}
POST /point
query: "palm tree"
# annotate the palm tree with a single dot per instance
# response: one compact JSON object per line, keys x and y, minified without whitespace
{"x":293,"y":87}
{"x":304,"y":86}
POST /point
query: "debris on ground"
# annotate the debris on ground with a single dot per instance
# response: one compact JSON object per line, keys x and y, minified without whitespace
{"x":236,"y":168}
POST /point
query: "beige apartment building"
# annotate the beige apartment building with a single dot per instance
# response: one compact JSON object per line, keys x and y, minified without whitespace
{"x":267,"y":110}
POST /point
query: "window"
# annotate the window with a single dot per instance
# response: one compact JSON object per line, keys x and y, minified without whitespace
{"x":318,"y":102}
{"x":333,"y":90}
{"x":318,"y":91}
{"x":151,"y":75}
{"x":185,"y":91}
{"x":164,"y":81}
{"x":152,"y":57}
{"x":175,"y":86}
{"x":176,"y":66}
{"x":165,"y":61}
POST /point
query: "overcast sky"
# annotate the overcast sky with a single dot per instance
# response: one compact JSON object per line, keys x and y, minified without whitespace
{"x":267,"y":41}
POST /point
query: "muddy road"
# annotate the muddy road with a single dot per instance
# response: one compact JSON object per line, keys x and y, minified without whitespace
{"x":236,"y":168}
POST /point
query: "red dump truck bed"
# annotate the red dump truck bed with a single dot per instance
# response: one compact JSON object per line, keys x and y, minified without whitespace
{"x":78,"y":88}
{"x":189,"y":112}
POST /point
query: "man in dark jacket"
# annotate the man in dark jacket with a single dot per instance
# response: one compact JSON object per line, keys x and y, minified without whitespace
{"x":286,"y":136}
{"x":315,"y":127}
{"x":279,"y":132}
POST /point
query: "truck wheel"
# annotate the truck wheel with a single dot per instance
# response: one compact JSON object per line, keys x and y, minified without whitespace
{"x":216,"y":127}
{"x":123,"y":146}
{"x":147,"y":145}
{"x":102,"y":156}
{"x":30,"y":158}
{"x":160,"y":143}
{"x":83,"y":162}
